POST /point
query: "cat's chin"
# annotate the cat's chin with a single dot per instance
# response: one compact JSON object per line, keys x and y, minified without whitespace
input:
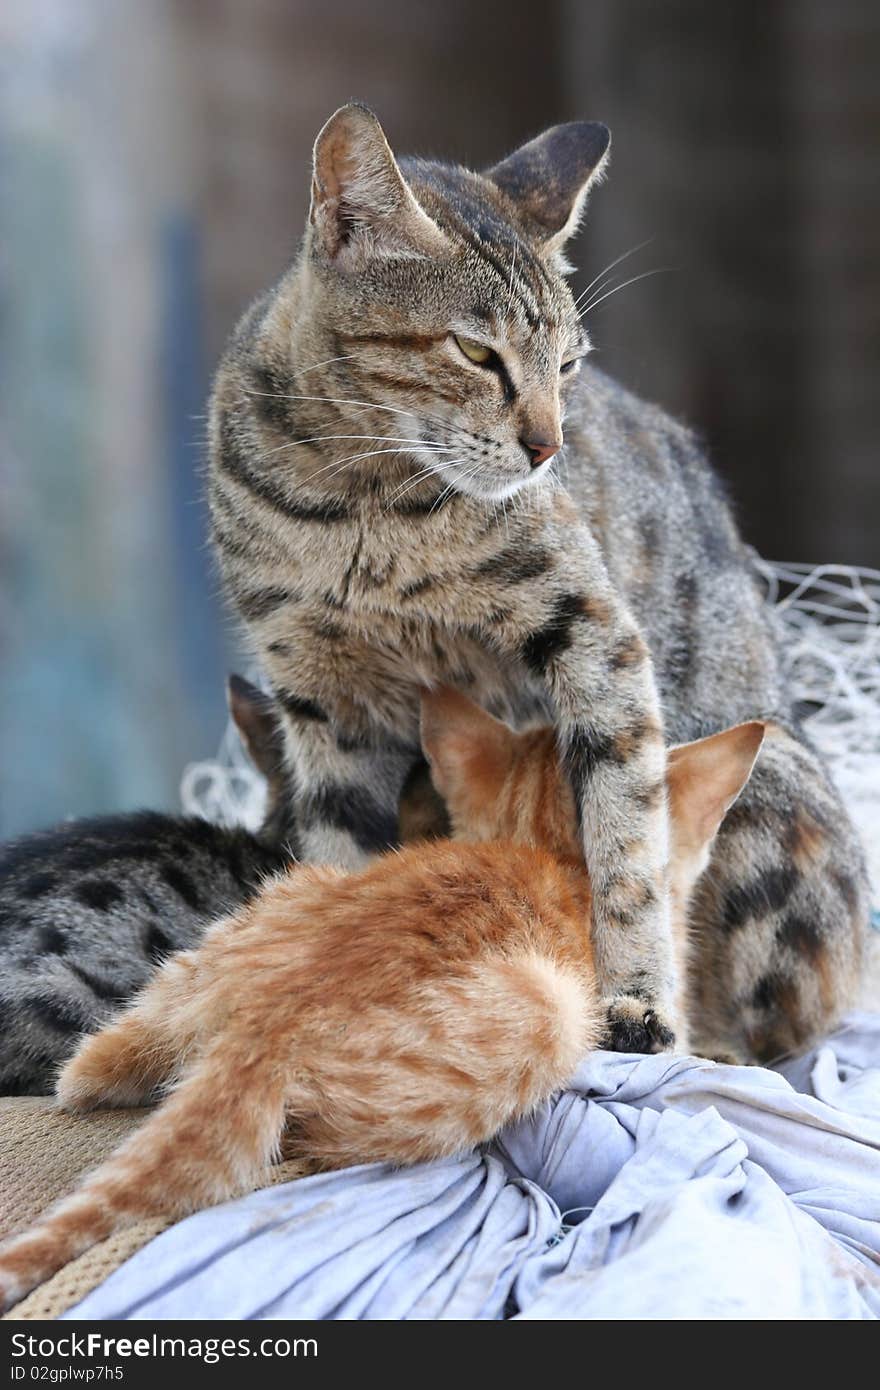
{"x":490,"y":487}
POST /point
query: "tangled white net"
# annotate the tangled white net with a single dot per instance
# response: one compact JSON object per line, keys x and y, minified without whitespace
{"x":829,"y":620}
{"x":226,"y":789}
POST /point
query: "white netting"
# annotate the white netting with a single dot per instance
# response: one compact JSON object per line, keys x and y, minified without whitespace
{"x":829,"y":619}
{"x":226,"y":789}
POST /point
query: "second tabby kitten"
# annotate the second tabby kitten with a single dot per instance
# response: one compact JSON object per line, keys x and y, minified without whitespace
{"x":90,"y":908}
{"x":401,"y":1013}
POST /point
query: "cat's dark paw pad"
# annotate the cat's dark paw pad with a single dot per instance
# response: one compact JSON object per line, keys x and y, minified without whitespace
{"x":634,"y":1026}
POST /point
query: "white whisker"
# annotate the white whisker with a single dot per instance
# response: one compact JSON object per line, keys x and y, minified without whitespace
{"x":644,"y":276}
{"x":328,"y":438}
{"x":469,"y":473}
{"x":510,"y":291}
{"x":349,"y":357}
{"x":450,"y":487}
{"x":421,"y":477}
{"x":338,"y":464}
{"x":343,"y":400}
{"x":602,"y":273}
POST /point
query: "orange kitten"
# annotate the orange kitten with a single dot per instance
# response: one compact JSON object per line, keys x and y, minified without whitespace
{"x":404,"y":1012}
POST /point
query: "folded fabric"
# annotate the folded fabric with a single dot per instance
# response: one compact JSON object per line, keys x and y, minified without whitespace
{"x":654,"y":1187}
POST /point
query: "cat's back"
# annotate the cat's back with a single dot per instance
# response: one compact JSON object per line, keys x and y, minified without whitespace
{"x":420,"y":1004}
{"x":128,"y":863}
{"x":419,"y":913}
{"x":643,"y":482}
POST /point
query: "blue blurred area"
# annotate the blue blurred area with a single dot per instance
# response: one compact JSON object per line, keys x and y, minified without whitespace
{"x":199,"y":652}
{"x":112,"y":644}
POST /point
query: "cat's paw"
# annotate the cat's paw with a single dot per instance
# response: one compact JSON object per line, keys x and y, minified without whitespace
{"x":11,"y":1291}
{"x":115,"y":1067}
{"x":21,"y":1267}
{"x":78,"y":1092}
{"x":89,"y":1080}
{"x":636,"y":1026}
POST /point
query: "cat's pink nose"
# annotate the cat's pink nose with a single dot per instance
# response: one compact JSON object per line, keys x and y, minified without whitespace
{"x":541,"y":449}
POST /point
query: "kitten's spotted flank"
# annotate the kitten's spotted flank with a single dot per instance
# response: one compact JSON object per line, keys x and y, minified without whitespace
{"x":90,"y":909}
{"x":385,"y":431}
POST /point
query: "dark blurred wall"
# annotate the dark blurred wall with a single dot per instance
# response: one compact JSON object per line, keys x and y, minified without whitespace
{"x":746,"y":142}
{"x":453,"y":79}
{"x":745,"y":148}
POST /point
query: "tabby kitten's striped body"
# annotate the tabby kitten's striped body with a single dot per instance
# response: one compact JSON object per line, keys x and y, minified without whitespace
{"x":91,"y":908}
{"x":385,"y":515}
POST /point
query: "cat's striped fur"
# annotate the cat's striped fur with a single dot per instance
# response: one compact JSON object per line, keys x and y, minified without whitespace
{"x":401,"y":1013}
{"x":91,"y":908}
{"x":380,"y":525}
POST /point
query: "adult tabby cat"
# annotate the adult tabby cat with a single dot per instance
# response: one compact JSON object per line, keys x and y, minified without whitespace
{"x":385,"y":512}
{"x":90,"y":908}
{"x":401,"y":1013}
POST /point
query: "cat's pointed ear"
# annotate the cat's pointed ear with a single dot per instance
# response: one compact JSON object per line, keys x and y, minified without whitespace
{"x":549,"y":178}
{"x":361,"y":204}
{"x":468,"y":750}
{"x":255,"y":715}
{"x":703,"y":780}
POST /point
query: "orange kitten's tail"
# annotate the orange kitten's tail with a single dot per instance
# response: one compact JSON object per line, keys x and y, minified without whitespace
{"x":202,"y":1147}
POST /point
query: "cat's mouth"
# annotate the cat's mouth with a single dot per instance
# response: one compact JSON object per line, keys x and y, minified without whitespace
{"x":490,"y":483}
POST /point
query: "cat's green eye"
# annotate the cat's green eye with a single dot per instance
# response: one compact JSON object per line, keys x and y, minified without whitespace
{"x":475,"y":352}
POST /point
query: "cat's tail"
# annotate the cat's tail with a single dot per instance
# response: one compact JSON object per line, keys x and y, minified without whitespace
{"x":207,"y":1142}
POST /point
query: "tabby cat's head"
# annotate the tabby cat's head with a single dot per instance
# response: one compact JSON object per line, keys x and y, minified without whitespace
{"x":498,"y":784}
{"x":438,"y":295}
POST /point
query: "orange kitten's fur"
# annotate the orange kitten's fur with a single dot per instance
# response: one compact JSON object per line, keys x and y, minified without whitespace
{"x":404,"y":1012}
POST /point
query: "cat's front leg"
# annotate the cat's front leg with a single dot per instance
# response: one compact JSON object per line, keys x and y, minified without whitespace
{"x":347,"y":797}
{"x":571,"y":630}
{"x":351,"y":738}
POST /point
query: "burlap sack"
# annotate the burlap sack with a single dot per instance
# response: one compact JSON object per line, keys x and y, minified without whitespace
{"x":43,"y":1154}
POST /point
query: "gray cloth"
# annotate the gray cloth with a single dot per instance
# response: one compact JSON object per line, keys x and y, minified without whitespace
{"x":654,"y":1187}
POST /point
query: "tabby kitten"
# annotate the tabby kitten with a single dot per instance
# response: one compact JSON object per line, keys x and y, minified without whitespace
{"x":90,"y":909}
{"x":385,"y":509}
{"x":403,"y":1012}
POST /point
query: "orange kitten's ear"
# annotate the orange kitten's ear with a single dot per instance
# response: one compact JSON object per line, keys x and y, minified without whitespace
{"x":703,"y":780}
{"x":549,"y":178}
{"x":469,"y":751}
{"x":361,"y":203}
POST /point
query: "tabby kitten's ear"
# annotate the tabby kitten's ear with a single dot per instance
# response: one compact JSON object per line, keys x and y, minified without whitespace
{"x":469,"y":751}
{"x":549,"y":178}
{"x":256,"y":718}
{"x":703,"y":780}
{"x":361,"y":204}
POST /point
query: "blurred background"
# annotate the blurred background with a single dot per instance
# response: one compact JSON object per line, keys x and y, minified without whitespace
{"x":154,"y":177}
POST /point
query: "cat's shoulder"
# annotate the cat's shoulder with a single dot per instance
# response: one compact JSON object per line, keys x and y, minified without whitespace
{"x":604,"y":401}
{"x":615,"y":433}
{"x":480,"y":866}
